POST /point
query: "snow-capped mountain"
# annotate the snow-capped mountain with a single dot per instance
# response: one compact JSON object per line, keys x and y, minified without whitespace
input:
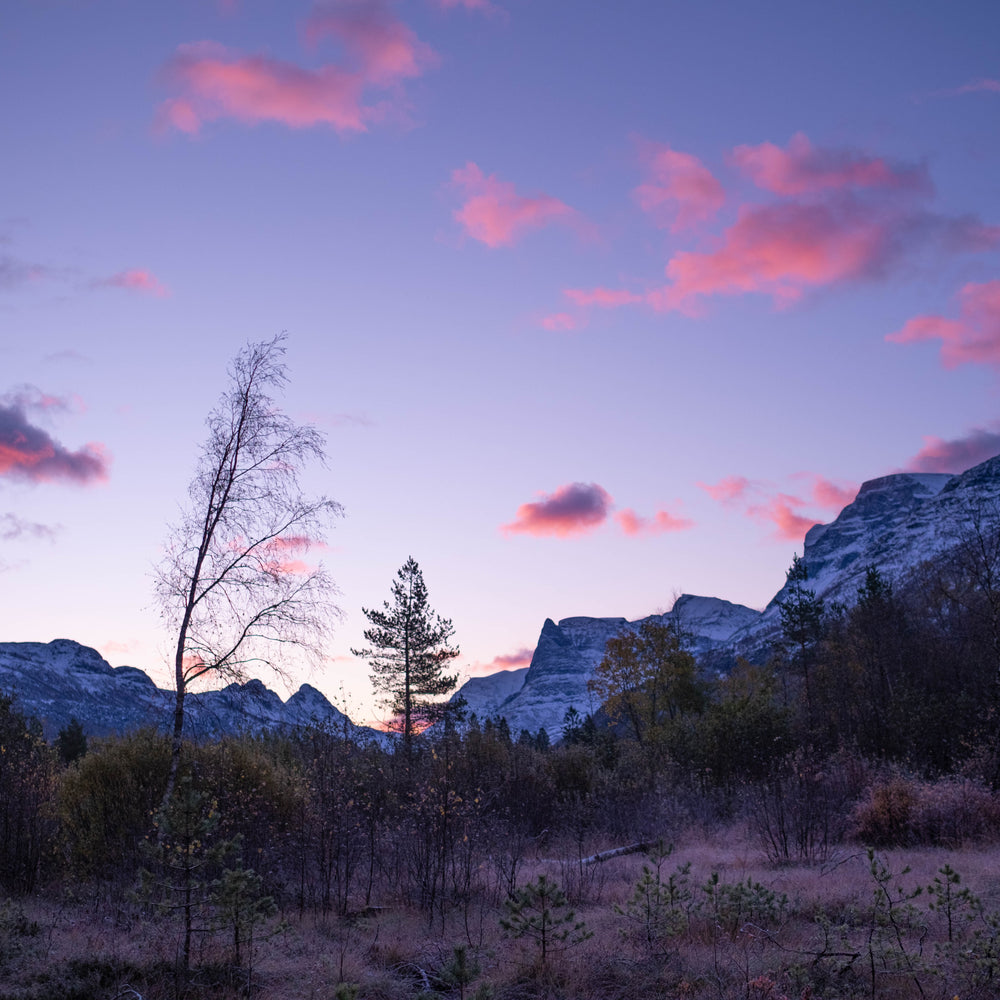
{"x":61,"y":680}
{"x":567,"y":654}
{"x":895,"y":524}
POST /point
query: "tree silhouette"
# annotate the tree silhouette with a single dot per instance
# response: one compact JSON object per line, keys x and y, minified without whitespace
{"x":408,"y":653}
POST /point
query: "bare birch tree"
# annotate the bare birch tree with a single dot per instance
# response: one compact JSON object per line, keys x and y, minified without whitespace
{"x":233,"y":586}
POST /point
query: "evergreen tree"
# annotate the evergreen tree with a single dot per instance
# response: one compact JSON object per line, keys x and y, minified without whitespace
{"x":802,"y":620}
{"x":408,"y":651}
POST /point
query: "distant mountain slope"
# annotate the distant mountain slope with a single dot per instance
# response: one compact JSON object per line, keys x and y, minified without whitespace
{"x":567,"y":654}
{"x":62,"y":679}
{"x":895,"y":523}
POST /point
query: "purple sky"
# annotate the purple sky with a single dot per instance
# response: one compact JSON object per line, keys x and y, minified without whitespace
{"x":596,"y":303}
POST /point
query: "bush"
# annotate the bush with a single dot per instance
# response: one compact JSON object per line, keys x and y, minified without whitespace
{"x":903,"y":811}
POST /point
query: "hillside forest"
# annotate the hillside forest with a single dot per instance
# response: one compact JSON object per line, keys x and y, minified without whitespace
{"x":820,"y":823}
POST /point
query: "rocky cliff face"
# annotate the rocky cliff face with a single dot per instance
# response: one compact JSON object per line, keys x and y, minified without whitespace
{"x":895,"y":523}
{"x":567,"y":654}
{"x":60,"y":680}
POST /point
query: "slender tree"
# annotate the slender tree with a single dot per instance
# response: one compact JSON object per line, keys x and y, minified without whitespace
{"x":408,"y":651}
{"x":232,"y":586}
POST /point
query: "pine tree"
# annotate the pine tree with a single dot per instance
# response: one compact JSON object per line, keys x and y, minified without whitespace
{"x":408,"y":651}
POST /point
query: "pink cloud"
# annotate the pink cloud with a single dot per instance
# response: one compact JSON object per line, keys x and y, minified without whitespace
{"x":561,"y":321}
{"x":801,"y":168}
{"x":938,"y":455}
{"x":680,"y":192}
{"x":662,"y":521}
{"x":573,"y":509}
{"x":789,"y":524}
{"x":780,"y":250}
{"x":604,"y":298}
{"x":383,"y":49}
{"x":506,"y":661}
{"x":135,"y":280}
{"x":972,"y":338}
{"x":826,"y":493}
{"x":730,"y":489}
{"x":495,"y":214}
{"x":212,"y":82}
{"x":28,"y":452}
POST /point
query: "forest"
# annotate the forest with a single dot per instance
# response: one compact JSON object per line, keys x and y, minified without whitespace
{"x":819,"y":824}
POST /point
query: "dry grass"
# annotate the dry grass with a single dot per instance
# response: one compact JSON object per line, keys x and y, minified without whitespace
{"x":54,"y":949}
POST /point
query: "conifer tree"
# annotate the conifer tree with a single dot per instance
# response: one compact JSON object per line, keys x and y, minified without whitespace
{"x":408,"y":651}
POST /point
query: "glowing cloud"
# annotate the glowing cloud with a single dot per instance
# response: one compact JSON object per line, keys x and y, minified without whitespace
{"x":212,"y":82}
{"x":938,"y":455}
{"x":826,"y":493}
{"x":789,"y":524}
{"x":495,"y":214}
{"x":506,"y":661}
{"x":29,"y":453}
{"x":574,"y":509}
{"x":780,"y":250}
{"x":802,"y":169}
{"x":134,"y":280}
{"x":662,"y":521}
{"x":680,"y":192}
{"x":973,"y":338}
{"x":730,"y":489}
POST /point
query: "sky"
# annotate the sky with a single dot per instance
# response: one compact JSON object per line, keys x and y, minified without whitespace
{"x":596,"y":304}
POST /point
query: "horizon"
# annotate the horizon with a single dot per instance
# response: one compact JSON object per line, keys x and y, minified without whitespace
{"x":595,"y":308}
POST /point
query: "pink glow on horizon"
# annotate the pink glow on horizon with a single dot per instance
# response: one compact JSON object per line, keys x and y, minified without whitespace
{"x":973,"y":338}
{"x":604,"y":298}
{"x":938,"y":455}
{"x":495,"y":214}
{"x":661,"y":522}
{"x":681,"y":192}
{"x":573,"y":509}
{"x":801,"y":168}
{"x":137,"y":280}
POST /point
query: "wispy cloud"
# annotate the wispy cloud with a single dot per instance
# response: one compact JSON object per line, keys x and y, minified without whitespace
{"x":679,"y":191}
{"x":802,"y":168}
{"x":505,"y":661}
{"x":30,"y":453}
{"x":134,"y":280}
{"x":984,"y":85}
{"x":573,"y":509}
{"x":13,"y":527}
{"x":661,"y":522}
{"x":603,"y":298}
{"x":938,"y":455}
{"x":972,"y":338}
{"x":789,"y":514}
{"x":561,"y":322}
{"x":495,"y":214}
